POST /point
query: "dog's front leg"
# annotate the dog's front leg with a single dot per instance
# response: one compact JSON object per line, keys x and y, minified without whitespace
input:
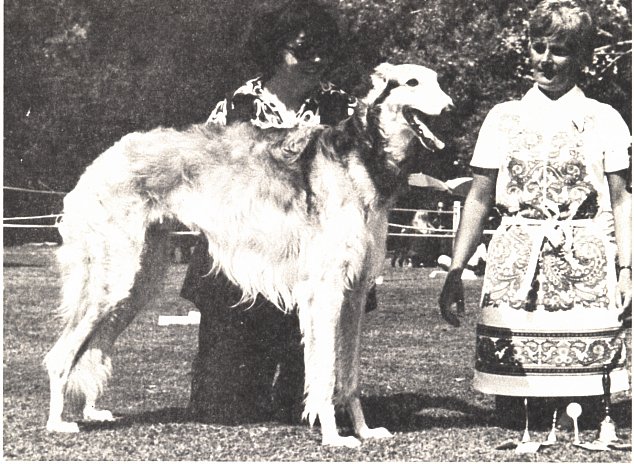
{"x":349,"y":351}
{"x":319,"y":309}
{"x":358,"y":422}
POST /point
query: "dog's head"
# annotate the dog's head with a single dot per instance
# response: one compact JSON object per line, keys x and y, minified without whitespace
{"x":406,"y":97}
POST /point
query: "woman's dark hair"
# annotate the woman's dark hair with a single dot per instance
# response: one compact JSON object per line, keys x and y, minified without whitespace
{"x":273,"y":30}
{"x":564,"y":19}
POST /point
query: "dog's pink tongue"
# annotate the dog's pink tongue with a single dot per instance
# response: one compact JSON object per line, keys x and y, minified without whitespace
{"x":424,"y":133}
{"x":428,"y":139}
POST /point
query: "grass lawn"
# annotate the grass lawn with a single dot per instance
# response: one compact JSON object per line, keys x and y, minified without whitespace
{"x":416,"y":381}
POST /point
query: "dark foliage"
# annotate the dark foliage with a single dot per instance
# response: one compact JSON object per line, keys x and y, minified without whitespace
{"x":79,"y":75}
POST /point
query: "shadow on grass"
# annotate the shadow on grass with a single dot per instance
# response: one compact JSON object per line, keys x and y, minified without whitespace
{"x":403,"y":412}
{"x":159,"y":416}
{"x":407,"y":412}
{"x":13,"y":264}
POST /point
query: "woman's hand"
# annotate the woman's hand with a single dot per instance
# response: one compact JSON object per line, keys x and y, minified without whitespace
{"x":477,"y":206}
{"x":452,"y":293}
{"x":624,"y":296}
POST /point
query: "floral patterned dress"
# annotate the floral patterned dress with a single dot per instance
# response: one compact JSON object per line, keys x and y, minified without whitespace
{"x":549,"y":323}
{"x":253,"y":102}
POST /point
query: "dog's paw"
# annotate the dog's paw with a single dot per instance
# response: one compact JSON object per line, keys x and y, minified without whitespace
{"x":98,"y":415}
{"x":374,"y":434}
{"x":62,"y":427}
{"x":338,"y":440}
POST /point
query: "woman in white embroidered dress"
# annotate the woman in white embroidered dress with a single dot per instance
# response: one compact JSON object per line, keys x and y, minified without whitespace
{"x":558,"y":275}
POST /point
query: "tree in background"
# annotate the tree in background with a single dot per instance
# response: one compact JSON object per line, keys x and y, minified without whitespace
{"x":479,"y":48}
{"x":79,"y":75}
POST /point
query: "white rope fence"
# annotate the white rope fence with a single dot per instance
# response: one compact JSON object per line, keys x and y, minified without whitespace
{"x":21,"y":189}
{"x":55,"y":217}
{"x":405,"y":230}
{"x":26,"y":218}
{"x":30,"y":226}
{"x":429,"y":232}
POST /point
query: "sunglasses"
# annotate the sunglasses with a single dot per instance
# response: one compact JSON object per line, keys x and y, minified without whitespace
{"x":557,"y":50}
{"x":305,"y":49}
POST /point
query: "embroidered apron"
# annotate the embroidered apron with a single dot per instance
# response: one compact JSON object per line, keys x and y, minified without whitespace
{"x":549,"y":323}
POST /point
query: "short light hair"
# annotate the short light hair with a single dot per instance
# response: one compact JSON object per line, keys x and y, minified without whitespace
{"x":565,"y":19}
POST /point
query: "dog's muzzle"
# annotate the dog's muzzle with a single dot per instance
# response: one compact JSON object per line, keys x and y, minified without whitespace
{"x":418,"y":121}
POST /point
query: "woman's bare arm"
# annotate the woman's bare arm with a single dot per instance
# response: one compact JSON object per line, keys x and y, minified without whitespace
{"x":621,"y":200}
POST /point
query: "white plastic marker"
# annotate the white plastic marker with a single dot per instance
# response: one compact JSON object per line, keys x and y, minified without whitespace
{"x":607,"y":431}
{"x":192,"y":318}
{"x":574,"y":411}
{"x":527,"y":446}
{"x":552,"y":437}
{"x":526,"y":437}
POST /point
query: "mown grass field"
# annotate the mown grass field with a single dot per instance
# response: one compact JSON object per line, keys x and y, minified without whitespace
{"x":416,"y":381}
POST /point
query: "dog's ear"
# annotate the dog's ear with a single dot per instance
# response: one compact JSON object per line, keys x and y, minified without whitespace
{"x":379,"y":78}
{"x":383,"y":70}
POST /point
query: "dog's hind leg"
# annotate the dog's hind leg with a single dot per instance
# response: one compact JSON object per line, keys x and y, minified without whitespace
{"x":319,"y":312}
{"x":79,"y":362}
{"x":96,"y":358}
{"x":93,"y":366}
{"x":59,"y":362}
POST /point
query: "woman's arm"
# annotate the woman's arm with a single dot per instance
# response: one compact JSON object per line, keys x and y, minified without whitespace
{"x":621,"y":201}
{"x":476,"y":210}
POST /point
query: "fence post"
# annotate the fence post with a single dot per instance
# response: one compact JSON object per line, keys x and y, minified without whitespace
{"x":455,"y":220}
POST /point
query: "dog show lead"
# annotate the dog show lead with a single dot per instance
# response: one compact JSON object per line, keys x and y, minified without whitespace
{"x":249,"y":364}
{"x":558,"y":275}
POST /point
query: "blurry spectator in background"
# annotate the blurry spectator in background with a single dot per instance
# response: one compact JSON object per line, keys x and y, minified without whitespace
{"x":422,"y":222}
{"x":438,"y":218}
{"x":418,"y":247}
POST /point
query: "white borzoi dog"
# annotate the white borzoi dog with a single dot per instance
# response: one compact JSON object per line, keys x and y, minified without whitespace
{"x":298,"y":215}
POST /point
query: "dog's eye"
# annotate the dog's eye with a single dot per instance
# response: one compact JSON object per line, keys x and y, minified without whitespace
{"x":412,"y":82}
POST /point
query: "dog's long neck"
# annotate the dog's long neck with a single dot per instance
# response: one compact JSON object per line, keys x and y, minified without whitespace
{"x":386,"y":157}
{"x":386,"y":123}
{"x":392,"y":133}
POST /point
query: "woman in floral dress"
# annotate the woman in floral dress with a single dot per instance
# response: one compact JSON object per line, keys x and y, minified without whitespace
{"x":249,"y":364}
{"x":558,"y":274}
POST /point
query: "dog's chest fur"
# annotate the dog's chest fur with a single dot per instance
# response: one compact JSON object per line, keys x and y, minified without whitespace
{"x":343,"y":215}
{"x":351,"y":211}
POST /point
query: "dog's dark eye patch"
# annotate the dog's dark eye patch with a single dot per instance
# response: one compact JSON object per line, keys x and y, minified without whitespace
{"x":391,"y":84}
{"x":412,"y":82}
